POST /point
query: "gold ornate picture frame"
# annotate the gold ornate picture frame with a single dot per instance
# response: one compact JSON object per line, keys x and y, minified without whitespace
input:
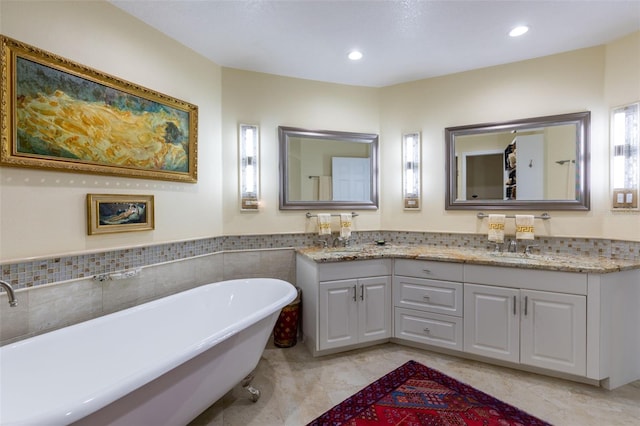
{"x":57,"y":114}
{"x":111,"y":213}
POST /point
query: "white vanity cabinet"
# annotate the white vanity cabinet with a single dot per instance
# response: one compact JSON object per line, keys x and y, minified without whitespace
{"x":526,"y":316}
{"x":427,"y":300}
{"x":354,"y":311}
{"x":344,"y":304}
{"x":577,"y":325}
{"x":538,"y":328}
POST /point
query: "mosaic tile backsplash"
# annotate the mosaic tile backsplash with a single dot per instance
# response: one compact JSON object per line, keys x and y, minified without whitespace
{"x":55,"y":269}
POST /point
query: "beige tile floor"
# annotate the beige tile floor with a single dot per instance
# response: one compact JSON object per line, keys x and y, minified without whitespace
{"x":296,"y":388}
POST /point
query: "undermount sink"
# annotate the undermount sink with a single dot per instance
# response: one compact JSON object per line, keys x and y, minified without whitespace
{"x":524,"y":257}
{"x":342,"y":250}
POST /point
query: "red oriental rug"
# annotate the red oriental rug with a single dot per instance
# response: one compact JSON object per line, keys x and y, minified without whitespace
{"x":413,"y":395}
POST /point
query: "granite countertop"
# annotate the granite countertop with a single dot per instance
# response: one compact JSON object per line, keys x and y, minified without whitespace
{"x":550,"y":262}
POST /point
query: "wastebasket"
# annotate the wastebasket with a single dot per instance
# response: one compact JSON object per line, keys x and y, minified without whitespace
{"x":285,"y":332}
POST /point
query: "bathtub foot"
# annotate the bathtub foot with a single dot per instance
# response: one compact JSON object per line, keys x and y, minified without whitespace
{"x":254,"y":393}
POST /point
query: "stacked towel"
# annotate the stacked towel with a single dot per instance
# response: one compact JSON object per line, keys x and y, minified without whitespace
{"x":324,"y":224}
{"x":524,"y":227}
{"x":345,"y":225}
{"x":496,"y":228}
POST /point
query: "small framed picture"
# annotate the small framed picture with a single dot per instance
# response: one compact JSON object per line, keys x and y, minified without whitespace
{"x":108,"y":213}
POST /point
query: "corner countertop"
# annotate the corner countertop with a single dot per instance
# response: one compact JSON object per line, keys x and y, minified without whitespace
{"x":550,"y":262}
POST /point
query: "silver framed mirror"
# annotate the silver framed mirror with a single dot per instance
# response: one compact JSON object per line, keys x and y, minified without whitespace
{"x":539,"y":163}
{"x":329,"y":170}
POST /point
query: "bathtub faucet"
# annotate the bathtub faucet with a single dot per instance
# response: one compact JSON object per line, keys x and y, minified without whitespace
{"x":10,"y":293}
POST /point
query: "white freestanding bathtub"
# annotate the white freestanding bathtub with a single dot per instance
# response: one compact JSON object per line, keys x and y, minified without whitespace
{"x":160,"y":363}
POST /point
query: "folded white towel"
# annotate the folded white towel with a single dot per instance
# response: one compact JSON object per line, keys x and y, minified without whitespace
{"x":345,"y":225}
{"x":496,"y":228}
{"x":324,"y":224}
{"x":524,"y":227}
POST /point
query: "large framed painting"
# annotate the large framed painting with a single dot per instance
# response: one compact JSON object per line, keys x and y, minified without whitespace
{"x":109,"y":213}
{"x":57,"y":114}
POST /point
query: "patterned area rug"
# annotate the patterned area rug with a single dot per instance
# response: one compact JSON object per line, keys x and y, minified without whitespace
{"x":413,"y":395}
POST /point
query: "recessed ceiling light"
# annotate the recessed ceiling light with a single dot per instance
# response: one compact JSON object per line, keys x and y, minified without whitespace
{"x":518,"y":31}
{"x":355,"y":55}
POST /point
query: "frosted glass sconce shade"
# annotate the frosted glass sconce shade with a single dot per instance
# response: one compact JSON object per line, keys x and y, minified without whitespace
{"x":249,"y":154}
{"x":411,"y":172}
{"x":625,"y":156}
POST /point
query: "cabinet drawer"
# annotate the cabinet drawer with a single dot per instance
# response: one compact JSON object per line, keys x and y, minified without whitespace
{"x":429,"y":269}
{"x":354,"y":269}
{"x":441,"y":297}
{"x":530,"y":279}
{"x":432,"y":329}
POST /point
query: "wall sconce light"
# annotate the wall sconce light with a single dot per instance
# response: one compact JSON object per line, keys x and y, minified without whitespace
{"x":411,"y":185}
{"x":249,"y":149}
{"x":625,"y":155}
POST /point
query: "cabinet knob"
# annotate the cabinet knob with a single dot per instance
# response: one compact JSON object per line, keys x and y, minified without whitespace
{"x":426,"y":330}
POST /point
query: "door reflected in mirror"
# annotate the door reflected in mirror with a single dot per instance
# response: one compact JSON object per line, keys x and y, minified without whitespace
{"x":327,"y":169}
{"x":536,"y":163}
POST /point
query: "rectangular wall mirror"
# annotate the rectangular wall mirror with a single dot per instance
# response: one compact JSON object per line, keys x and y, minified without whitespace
{"x":539,"y":163}
{"x":321,"y":169}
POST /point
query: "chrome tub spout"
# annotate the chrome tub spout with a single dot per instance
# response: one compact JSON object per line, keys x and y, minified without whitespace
{"x":10,"y":293}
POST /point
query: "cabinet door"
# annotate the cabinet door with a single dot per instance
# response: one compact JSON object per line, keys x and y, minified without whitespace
{"x":374,"y":308}
{"x":554,"y":331}
{"x":491,"y":322}
{"x":338,"y":314}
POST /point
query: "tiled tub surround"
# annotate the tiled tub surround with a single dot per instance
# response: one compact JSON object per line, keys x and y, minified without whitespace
{"x":60,"y":291}
{"x":48,"y":307}
{"x":31,"y":273}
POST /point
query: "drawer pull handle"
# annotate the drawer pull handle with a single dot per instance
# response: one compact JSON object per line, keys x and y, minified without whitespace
{"x":426,"y":297}
{"x":426,"y":330}
{"x":361,"y":292}
{"x":427,"y":271}
{"x":355,"y":294}
{"x":526,"y":302}
{"x":514,"y":305}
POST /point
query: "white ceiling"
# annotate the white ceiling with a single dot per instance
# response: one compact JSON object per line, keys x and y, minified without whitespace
{"x":402,"y":40}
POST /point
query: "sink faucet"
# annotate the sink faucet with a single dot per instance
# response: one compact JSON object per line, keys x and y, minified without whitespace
{"x":512,"y":246}
{"x":340,"y":240}
{"x":324,"y":243}
{"x":10,"y":293}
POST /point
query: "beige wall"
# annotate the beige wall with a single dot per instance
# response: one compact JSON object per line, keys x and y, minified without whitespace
{"x":273,"y":101}
{"x":42,"y":212}
{"x":545,"y":86}
{"x":569,"y":82}
{"x":622,"y":86}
